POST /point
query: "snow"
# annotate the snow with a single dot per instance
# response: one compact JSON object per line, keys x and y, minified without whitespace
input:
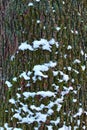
{"x":78,"y":122}
{"x":25,"y":76}
{"x":25,"y":108}
{"x":44,"y":44}
{"x":76,"y":32}
{"x":6,"y":126}
{"x":18,"y":95}
{"x":52,"y":41}
{"x":17,"y":129}
{"x":65,"y":128}
{"x":51,"y":64}
{"x":84,"y":127}
{"x":37,"y":0}
{"x":17,"y":116}
{"x":38,"y":69}
{"x":50,"y":112}
{"x":35,"y":128}
{"x":72,"y":31}
{"x":69,"y":68}
{"x":56,"y":122}
{"x":25,"y":46}
{"x":30,"y":4}
{"x":65,"y":77}
{"x":79,"y":113}
{"x":30,"y":112}
{"x":82,"y":52}
{"x":58,"y":28}
{"x":46,"y":94}
{"x":8,"y":84}
{"x":79,"y":14}
{"x":41,"y":117}
{"x":38,"y":21}
{"x":12,"y":101}
{"x":83,"y":67}
{"x":74,"y":100}
{"x":55,"y":73}
{"x":27,"y":94}
{"x":50,"y":127}
{"x":33,"y":107}
{"x":77,"y":61}
{"x":69,"y":47}
{"x":72,"y":80}
{"x":56,"y":87}
{"x":38,"y":118}
{"x":1,"y":128}
{"x":85,"y":112}
{"x":59,"y":100}
{"x":63,"y":2}
{"x":65,"y":56}
{"x":15,"y":79}
{"x":66,"y":90}
{"x":12,"y":57}
{"x":77,"y":72}
{"x":41,"y":93}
